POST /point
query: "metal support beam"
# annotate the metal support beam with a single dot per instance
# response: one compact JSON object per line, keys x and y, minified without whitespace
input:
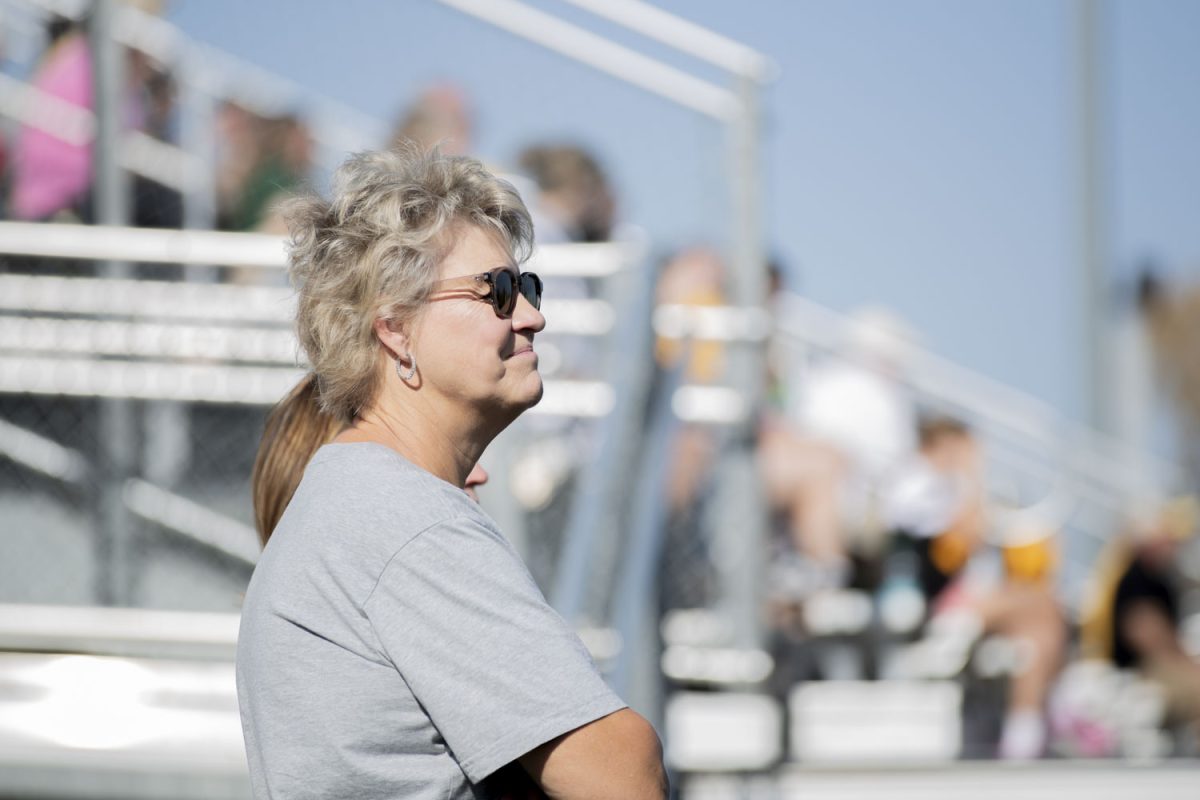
{"x":1094,"y":250}
{"x":636,"y":675}
{"x":685,"y":36}
{"x":114,"y":551}
{"x":599,"y":53}
{"x":746,"y":374}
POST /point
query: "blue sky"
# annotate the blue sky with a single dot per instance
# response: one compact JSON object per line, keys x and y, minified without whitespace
{"x":920,"y":155}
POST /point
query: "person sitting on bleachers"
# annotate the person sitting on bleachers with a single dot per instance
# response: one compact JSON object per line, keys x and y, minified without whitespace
{"x":846,"y":422}
{"x":934,"y":504}
{"x":1172,"y":318}
{"x":1137,"y":610}
{"x":51,"y":172}
{"x":936,"y":510}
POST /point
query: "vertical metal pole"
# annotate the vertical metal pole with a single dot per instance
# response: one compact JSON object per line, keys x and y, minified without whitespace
{"x":110,"y":189}
{"x":114,"y":569}
{"x":197,"y":134}
{"x":168,"y":447}
{"x":744,"y":510}
{"x":596,"y":504}
{"x":637,"y":675}
{"x":1133,"y":394}
{"x":1093,"y":233}
{"x":111,"y":192}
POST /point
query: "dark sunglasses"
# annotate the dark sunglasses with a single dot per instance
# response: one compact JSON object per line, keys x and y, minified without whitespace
{"x":504,"y":283}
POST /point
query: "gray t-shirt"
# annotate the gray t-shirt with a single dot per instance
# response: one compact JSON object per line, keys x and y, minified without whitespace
{"x":393,"y":645}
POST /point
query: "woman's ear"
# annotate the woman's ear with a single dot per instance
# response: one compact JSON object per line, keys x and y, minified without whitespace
{"x":393,"y":336}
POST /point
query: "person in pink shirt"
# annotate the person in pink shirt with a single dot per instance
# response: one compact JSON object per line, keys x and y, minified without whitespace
{"x":51,"y":174}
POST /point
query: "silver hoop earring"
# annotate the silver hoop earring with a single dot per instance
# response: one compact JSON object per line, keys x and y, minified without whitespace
{"x":412,"y":373}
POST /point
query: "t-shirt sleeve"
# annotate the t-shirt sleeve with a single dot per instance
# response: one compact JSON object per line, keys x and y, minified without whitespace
{"x":498,"y":671}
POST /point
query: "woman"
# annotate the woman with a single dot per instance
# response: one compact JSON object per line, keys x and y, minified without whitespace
{"x":392,"y":642}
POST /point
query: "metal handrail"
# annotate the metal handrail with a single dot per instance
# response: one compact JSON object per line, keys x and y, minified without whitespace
{"x":118,"y":631}
{"x":143,"y":245}
{"x":599,"y":53}
{"x":173,"y":309}
{"x":199,"y":523}
{"x":683,"y":35}
{"x":233,"y":384}
{"x":214,"y":303}
{"x":155,"y":340}
{"x":1093,"y":454}
{"x":252,"y":250}
{"x":161,"y":506}
{"x":43,"y":455}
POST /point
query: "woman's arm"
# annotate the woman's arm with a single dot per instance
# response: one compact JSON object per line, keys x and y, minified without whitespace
{"x":617,"y":757}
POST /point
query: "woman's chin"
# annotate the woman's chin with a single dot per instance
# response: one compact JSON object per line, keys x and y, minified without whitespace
{"x":535,"y":394}
{"x":521,"y":400}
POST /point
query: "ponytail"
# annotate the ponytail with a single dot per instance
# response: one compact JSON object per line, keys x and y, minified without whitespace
{"x":294,"y":430}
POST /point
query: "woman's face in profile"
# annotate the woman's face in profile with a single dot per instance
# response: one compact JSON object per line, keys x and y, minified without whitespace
{"x":466,"y":354}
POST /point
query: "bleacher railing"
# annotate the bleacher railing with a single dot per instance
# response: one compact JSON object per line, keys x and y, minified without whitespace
{"x":207,"y":342}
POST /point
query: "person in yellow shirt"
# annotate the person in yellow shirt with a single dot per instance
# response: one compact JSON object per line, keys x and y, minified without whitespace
{"x":1133,"y":617}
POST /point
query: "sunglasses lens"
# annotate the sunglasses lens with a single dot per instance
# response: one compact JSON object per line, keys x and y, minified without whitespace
{"x":504,"y":295}
{"x":531,"y":288}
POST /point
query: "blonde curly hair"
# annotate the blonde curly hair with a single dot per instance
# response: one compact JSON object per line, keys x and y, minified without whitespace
{"x":372,"y":251}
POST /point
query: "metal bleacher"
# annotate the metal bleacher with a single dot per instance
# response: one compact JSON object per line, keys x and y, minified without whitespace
{"x":101,"y":701}
{"x":138,"y":701}
{"x":189,"y":344}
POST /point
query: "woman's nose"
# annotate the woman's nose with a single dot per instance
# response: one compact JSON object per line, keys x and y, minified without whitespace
{"x":526,"y":317}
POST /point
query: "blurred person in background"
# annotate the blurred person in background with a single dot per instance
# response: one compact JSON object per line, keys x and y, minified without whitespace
{"x":935,"y":509}
{"x":554,"y":448}
{"x":845,"y":424}
{"x":265,"y":159}
{"x":572,"y":202}
{"x":440,"y":117}
{"x":694,"y":277}
{"x":1024,"y":609}
{"x":860,"y":405}
{"x":574,"y":193}
{"x":50,"y":174}
{"x":801,"y":479}
{"x":691,"y":278}
{"x":1172,"y":318}
{"x":933,"y":506}
{"x":1136,"y":610}
{"x":155,"y":205}
{"x":238,"y":145}
{"x":392,"y":643}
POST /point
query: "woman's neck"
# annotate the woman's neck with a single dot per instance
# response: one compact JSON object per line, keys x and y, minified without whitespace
{"x":437,"y":443}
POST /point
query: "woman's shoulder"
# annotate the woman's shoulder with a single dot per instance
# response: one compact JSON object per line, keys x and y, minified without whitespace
{"x":368,"y":490}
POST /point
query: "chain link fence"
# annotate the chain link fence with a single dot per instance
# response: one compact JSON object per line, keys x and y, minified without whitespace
{"x":86,"y":447}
